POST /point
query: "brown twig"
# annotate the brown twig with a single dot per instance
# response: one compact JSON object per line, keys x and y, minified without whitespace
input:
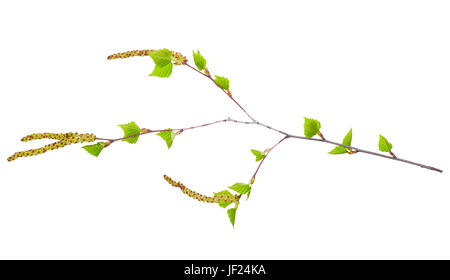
{"x":286,"y":134}
{"x":267,"y":153}
{"x":224,"y":90}
{"x":146,"y":131}
{"x":356,"y":150}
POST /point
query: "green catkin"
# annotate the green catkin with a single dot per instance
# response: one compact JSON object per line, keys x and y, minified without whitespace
{"x":222,"y":198}
{"x":64,"y":140}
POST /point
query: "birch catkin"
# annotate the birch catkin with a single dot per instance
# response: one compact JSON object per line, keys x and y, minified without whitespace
{"x":64,"y":140}
{"x":221,"y":198}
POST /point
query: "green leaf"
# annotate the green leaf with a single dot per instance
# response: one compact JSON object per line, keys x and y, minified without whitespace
{"x":348,"y":138}
{"x":225,"y":193}
{"x":223,"y":82}
{"x":384,"y":145}
{"x":311,"y":127}
{"x":130,"y":129}
{"x":162,"y":71}
{"x":224,"y":204}
{"x":249,"y":191}
{"x":342,"y":150}
{"x":161,"y":57}
{"x":240,"y":188}
{"x":258,"y":154}
{"x":167,"y":136}
{"x":232,"y":215}
{"x":199,"y":60}
{"x":94,"y":149}
{"x":338,"y":150}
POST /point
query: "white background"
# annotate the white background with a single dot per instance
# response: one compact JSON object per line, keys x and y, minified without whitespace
{"x":374,"y":66}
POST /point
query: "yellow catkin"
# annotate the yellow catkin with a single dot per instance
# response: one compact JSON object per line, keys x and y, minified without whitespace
{"x":34,"y":136}
{"x":27,"y":153}
{"x":177,"y":58}
{"x":222,"y":198}
{"x":130,"y":54}
{"x":81,"y":138}
{"x":64,"y":140}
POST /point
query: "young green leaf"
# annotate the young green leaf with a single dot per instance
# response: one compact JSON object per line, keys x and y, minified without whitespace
{"x":225,"y":193}
{"x":223,"y":82}
{"x":167,"y":136}
{"x":338,"y":150}
{"x":384,"y":145}
{"x":348,"y":139}
{"x":162,"y":71}
{"x":311,"y":127}
{"x":161,"y":57}
{"x":232,"y":215}
{"x":248,"y":193}
{"x":258,"y":154}
{"x":342,"y":150}
{"x":94,"y":149}
{"x":199,"y":60}
{"x":130,"y":129}
{"x":240,"y":188}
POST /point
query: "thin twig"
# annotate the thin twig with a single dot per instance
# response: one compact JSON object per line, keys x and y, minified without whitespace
{"x":348,"y":147}
{"x":225,"y":91}
{"x":286,"y":134}
{"x":146,"y":131}
{"x":254,"y":121}
{"x":262,"y":160}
